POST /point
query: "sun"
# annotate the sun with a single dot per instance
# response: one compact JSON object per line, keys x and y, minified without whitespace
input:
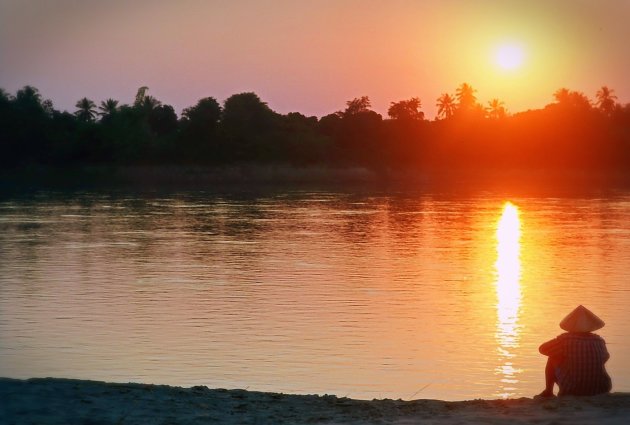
{"x":509,"y":56}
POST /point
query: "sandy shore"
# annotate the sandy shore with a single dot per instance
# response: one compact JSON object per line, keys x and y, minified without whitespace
{"x":64,"y":401}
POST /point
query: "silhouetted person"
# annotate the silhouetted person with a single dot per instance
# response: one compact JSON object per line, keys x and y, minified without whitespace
{"x":577,"y":357}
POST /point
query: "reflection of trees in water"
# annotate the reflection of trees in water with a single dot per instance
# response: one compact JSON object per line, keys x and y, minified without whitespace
{"x":355,"y":218}
{"x":405,"y":223}
{"x":404,"y":214}
{"x":400,"y":218}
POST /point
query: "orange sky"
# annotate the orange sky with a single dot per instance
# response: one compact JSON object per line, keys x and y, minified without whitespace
{"x":312,"y":56}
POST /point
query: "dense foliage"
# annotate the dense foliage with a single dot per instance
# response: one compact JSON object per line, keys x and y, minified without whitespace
{"x":571,"y":132}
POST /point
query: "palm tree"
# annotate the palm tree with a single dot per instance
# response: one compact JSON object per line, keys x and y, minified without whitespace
{"x":86,"y":110}
{"x":606,"y":100}
{"x":496,"y":109}
{"x":149,"y":103}
{"x":465,"y":95}
{"x":446,"y":105}
{"x":108,"y":107}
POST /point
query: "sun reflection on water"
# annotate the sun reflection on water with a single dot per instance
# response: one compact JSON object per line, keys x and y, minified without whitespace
{"x":508,"y":275}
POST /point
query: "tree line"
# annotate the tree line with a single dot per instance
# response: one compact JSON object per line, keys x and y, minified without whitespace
{"x":571,"y":132}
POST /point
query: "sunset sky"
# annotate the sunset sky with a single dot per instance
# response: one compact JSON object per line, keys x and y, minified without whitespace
{"x":313,"y":56}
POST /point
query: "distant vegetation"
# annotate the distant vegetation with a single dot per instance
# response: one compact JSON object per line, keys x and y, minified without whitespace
{"x":573,"y":132}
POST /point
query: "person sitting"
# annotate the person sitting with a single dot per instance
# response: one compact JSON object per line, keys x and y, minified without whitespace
{"x":577,"y":357}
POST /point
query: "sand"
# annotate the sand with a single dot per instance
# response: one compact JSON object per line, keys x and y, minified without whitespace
{"x":65,"y":401}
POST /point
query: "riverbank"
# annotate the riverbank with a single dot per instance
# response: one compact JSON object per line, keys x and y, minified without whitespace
{"x":257,"y":176}
{"x":64,"y":401}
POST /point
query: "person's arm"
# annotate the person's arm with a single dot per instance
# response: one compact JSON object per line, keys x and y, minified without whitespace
{"x":546,"y":347}
{"x":552,"y":348}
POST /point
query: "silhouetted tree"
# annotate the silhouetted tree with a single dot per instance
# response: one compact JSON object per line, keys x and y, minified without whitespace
{"x":466,"y":98}
{"x":64,"y":134}
{"x":86,"y":110}
{"x":606,"y":100}
{"x":204,"y":116}
{"x":403,"y":134}
{"x":28,"y":96}
{"x":4,"y":97}
{"x":569,"y":133}
{"x":128,"y":136}
{"x":107,"y":108}
{"x":140,"y":95}
{"x":48,"y":107}
{"x":358,"y":105}
{"x":407,"y":110}
{"x":7,"y":118}
{"x":148,"y":103}
{"x":360,"y":133}
{"x":249,"y":126}
{"x":580,"y":100}
{"x":330,"y":124}
{"x":301,"y":141}
{"x":26,"y":128}
{"x":496,"y":109}
{"x":446,"y":105}
{"x":562,"y":96}
{"x":199,"y":138}
{"x":571,"y":99}
{"x":162,"y":120}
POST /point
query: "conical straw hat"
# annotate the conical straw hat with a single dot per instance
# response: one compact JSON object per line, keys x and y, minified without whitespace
{"x":581,"y":320}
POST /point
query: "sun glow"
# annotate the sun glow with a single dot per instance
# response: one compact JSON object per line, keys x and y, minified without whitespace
{"x":508,"y":288}
{"x":509,"y":56}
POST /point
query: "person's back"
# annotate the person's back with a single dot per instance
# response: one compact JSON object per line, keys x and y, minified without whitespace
{"x":577,"y":358}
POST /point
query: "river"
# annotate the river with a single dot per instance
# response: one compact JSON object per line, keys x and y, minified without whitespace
{"x":366,"y":294}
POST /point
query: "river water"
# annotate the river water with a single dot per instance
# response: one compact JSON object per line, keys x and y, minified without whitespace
{"x":366,"y":294}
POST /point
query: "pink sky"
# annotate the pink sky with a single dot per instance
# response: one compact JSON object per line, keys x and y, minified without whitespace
{"x":312,"y":56}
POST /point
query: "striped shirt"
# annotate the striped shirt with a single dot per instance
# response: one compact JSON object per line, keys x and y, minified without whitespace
{"x":579,"y":359}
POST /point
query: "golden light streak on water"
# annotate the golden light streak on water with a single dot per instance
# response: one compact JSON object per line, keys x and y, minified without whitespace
{"x":508,"y":287}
